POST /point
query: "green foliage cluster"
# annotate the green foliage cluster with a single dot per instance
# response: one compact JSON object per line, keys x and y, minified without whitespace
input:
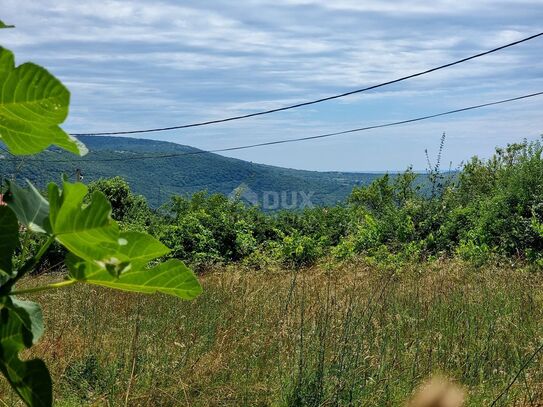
{"x":489,"y":210}
{"x":33,"y":104}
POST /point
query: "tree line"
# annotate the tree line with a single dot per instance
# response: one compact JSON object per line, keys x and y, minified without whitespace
{"x":491,"y":210}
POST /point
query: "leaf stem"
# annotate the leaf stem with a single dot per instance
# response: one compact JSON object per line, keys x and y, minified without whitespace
{"x":42,"y":251}
{"x":51,"y":286}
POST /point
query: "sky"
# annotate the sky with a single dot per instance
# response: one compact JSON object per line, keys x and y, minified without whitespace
{"x":143,"y":63}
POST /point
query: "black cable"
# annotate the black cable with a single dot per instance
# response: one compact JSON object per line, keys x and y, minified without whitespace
{"x":312,"y":102}
{"x":524,"y":366}
{"x":292,"y":140}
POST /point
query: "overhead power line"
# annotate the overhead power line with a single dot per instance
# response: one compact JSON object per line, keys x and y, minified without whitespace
{"x":312,"y":102}
{"x":320,"y":136}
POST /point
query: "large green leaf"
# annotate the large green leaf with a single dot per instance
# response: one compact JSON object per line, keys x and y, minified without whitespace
{"x":69,"y":143}
{"x":9,"y":239}
{"x":171,"y":277}
{"x":32,"y":105}
{"x":135,"y":252}
{"x":20,"y":327}
{"x":30,"y":206}
{"x":29,"y":313}
{"x":140,"y":248}
{"x":87,"y":230}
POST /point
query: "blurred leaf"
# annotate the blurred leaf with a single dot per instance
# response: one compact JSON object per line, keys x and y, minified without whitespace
{"x":32,"y":105}
{"x":69,"y":143}
{"x":4,"y":25}
{"x":171,"y":277}
{"x":30,"y":206}
{"x":21,"y":326}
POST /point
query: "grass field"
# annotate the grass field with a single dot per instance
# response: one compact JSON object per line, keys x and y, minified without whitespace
{"x":332,"y":335}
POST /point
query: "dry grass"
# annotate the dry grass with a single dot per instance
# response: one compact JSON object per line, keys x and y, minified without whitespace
{"x":351,"y":336}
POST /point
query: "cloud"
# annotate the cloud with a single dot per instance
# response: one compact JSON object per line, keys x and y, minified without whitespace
{"x":410,"y":7}
{"x":143,"y":63}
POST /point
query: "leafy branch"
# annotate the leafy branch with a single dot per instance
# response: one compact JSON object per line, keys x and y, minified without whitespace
{"x":33,"y":104}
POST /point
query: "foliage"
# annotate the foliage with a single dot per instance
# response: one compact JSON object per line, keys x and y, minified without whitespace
{"x":298,"y":251}
{"x":487,"y":211}
{"x":130,"y":210}
{"x":32,"y":106}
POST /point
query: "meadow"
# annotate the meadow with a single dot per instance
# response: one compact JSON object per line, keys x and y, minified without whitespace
{"x":408,"y":278}
{"x":357,"y":304}
{"x":336,"y":334}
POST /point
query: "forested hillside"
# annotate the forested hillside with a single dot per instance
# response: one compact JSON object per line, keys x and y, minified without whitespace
{"x":158,"y":179}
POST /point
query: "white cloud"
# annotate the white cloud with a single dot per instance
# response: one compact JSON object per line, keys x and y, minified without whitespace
{"x":145,"y":63}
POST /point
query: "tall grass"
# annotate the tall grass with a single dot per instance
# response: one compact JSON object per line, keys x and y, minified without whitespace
{"x":345,"y":335}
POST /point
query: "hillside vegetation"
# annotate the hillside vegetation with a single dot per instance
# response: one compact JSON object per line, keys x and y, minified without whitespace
{"x":353,"y":304}
{"x":158,"y":179}
{"x":491,"y":212}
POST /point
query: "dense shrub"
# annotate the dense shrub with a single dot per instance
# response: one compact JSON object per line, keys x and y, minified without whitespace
{"x":300,"y":250}
{"x":132,"y":211}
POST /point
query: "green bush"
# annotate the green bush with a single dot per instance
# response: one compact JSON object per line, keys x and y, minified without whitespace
{"x":299,"y":251}
{"x":488,"y":208}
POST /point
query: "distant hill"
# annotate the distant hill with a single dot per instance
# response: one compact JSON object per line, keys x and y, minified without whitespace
{"x":158,"y":179}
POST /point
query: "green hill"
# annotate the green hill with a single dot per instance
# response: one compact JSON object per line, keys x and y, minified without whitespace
{"x":157,"y":179}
